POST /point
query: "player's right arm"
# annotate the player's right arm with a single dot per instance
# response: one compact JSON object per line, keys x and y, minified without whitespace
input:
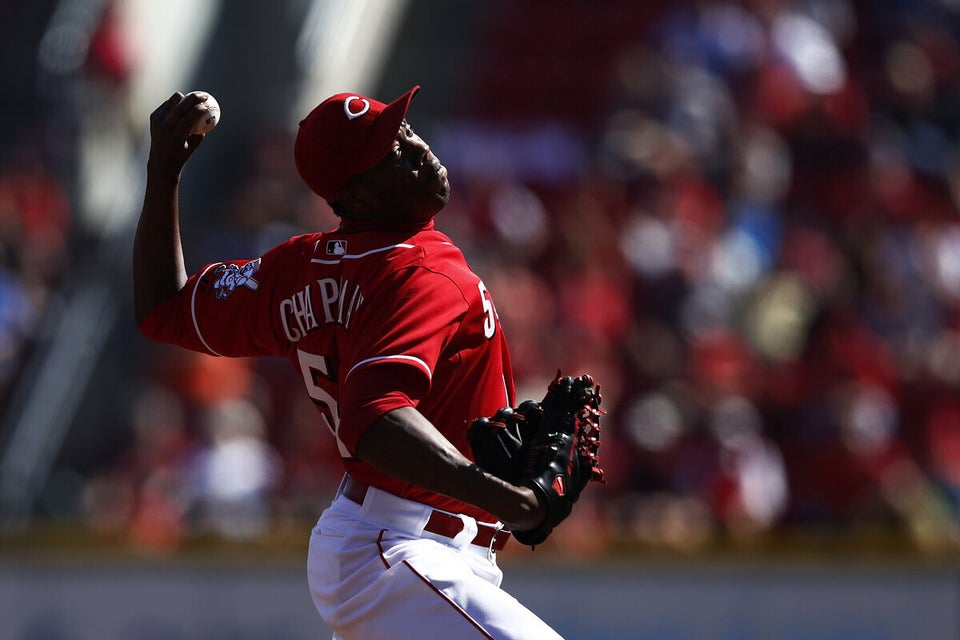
{"x":404,"y":444}
{"x":158,"y":265}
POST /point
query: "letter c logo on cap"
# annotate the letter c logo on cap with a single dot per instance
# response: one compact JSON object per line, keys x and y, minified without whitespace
{"x":350,"y":114}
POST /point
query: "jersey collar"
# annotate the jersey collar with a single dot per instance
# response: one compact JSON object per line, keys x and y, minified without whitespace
{"x":352,"y":226}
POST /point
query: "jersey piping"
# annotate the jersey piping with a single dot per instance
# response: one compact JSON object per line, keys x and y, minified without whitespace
{"x":354,"y":256}
{"x":193,"y":308}
{"x":423,"y":365}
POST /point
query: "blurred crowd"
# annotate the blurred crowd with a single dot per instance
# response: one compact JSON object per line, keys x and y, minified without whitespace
{"x":752,"y":242}
{"x":759,"y":263}
{"x":756,"y":256}
{"x":40,"y":227}
{"x":35,"y":223}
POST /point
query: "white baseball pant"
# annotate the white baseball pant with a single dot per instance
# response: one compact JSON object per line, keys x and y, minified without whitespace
{"x":376,"y":572}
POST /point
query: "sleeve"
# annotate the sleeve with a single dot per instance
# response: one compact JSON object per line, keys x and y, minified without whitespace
{"x":227,"y":308}
{"x":389,"y":357}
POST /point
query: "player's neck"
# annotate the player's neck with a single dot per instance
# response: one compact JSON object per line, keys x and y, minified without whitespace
{"x":384,"y":225}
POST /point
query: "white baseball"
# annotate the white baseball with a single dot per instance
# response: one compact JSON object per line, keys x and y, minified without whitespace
{"x":211,"y":116}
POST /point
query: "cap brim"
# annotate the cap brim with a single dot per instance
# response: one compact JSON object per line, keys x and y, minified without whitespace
{"x":385,"y":129}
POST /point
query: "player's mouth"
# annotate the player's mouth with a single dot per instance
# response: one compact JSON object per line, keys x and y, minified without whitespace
{"x":435,"y":179}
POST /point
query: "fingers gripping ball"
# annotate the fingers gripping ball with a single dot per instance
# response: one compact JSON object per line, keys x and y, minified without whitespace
{"x":209,"y":117}
{"x":552,"y":446}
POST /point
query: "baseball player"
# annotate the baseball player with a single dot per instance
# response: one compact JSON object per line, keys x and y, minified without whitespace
{"x":399,"y":346}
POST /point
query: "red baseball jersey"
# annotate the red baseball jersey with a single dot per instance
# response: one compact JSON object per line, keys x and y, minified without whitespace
{"x":373,"y":319}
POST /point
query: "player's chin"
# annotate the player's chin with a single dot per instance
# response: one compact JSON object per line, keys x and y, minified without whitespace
{"x":433,"y":193}
{"x":439,"y":193}
{"x":427,"y":206}
{"x":443,"y":194}
{"x":436,"y":204}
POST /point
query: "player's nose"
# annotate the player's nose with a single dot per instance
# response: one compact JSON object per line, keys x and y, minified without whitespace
{"x":421,"y":150}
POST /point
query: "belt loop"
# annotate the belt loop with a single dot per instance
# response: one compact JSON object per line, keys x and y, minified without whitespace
{"x":498,"y":529}
{"x":467,"y":533}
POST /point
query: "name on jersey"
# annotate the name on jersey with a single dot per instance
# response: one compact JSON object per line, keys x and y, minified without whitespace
{"x":336,"y":301}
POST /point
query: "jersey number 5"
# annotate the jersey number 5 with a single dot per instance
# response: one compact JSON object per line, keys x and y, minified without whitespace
{"x":314,"y":368}
{"x":490,"y":313}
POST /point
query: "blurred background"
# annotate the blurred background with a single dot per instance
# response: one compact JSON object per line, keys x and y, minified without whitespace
{"x":741,"y":216}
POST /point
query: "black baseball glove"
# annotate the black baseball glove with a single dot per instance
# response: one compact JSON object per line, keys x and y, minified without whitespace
{"x":552,"y":446}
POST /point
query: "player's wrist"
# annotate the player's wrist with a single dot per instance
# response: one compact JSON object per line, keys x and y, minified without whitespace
{"x":516,"y":506}
{"x":528,"y":511}
{"x":161,"y":171}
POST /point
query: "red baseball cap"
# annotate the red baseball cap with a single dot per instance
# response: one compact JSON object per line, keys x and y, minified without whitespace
{"x":344,"y":135}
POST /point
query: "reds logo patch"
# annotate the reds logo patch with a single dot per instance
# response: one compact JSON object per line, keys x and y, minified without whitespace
{"x":230,"y":276}
{"x":336,"y":247}
{"x":349,"y":109}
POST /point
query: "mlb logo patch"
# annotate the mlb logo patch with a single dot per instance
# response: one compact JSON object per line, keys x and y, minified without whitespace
{"x":336,"y":247}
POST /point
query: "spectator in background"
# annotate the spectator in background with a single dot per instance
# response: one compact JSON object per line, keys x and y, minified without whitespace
{"x":35,"y":225}
{"x":236,"y":472}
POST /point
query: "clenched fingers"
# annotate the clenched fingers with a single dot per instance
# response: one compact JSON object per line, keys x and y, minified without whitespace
{"x":171,"y":143}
